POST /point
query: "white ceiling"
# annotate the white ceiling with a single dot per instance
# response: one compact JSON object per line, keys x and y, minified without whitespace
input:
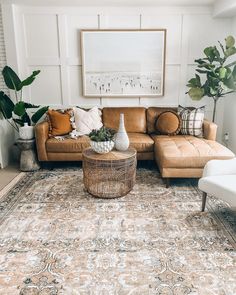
{"x":115,"y":2}
{"x":220,"y":8}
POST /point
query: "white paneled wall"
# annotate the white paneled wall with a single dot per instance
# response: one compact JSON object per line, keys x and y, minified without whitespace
{"x":6,"y":132}
{"x":48,"y":38}
{"x":51,"y":42}
{"x":229,"y":125}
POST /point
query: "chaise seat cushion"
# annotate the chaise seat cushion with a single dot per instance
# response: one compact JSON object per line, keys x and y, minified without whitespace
{"x":68,"y":145}
{"x":141,"y":142}
{"x":182,"y":151}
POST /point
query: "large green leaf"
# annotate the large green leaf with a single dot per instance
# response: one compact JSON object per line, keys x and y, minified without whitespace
{"x":6,"y":105}
{"x":210,"y":53}
{"x":230,"y":51}
{"x":196,"y":93}
{"x":200,"y":61}
{"x":194,"y":82}
{"x":19,"y":121}
{"x":231,"y":64}
{"x":30,"y":106}
{"x":202,"y":71}
{"x":234,"y":73}
{"x":30,"y":79}
{"x":229,"y":41}
{"x":38,"y":115}
{"x":207,"y":66}
{"x":222,"y":72}
{"x":217,"y":55}
{"x":213,"y":91}
{"x":11,"y":79}
{"x":19,"y":108}
{"x":230,"y":83}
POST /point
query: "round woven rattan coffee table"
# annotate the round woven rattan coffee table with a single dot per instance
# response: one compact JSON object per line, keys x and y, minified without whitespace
{"x":109,"y":175}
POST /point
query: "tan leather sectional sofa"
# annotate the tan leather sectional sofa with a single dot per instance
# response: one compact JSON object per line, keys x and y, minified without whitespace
{"x":176,"y":156}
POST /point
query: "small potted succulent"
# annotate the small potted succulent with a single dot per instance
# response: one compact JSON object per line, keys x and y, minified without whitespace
{"x":102,"y":140}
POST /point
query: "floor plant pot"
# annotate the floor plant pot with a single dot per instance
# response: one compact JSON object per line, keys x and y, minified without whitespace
{"x":102,"y":147}
{"x":26,"y":132}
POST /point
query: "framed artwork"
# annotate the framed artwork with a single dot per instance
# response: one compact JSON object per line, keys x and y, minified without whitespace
{"x":123,"y":63}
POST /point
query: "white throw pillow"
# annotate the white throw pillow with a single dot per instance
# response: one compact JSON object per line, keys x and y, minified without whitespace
{"x":86,"y":121}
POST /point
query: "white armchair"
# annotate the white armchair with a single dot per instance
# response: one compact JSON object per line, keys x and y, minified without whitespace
{"x":219,"y":180}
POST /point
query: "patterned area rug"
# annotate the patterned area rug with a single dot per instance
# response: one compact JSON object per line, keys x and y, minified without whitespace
{"x":57,"y":239}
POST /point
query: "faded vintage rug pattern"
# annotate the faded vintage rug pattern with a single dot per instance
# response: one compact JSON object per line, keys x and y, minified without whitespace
{"x":57,"y":239}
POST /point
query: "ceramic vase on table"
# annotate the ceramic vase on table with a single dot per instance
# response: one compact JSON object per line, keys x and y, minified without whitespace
{"x":121,"y":138}
{"x":26,"y":132}
{"x":102,"y":147}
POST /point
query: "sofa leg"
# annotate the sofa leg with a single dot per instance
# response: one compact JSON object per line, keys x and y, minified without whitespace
{"x":204,"y":197}
{"x":167,"y":180}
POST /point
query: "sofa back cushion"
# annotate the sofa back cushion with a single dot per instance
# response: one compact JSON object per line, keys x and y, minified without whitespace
{"x":135,"y":118}
{"x":168,"y":123}
{"x":59,"y":122}
{"x":152,"y":114}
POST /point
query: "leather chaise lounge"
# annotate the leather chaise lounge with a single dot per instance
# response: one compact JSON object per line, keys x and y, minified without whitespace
{"x":176,"y":156}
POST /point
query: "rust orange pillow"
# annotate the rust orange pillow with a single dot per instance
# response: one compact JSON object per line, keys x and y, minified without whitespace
{"x":168,"y":123}
{"x":59,"y":122}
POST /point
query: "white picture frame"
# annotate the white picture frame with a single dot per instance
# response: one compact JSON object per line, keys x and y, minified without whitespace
{"x":123,"y":63}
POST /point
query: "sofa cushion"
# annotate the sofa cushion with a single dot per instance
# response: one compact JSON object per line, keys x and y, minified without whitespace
{"x":59,"y":122}
{"x":152,"y":114}
{"x":192,"y":120}
{"x":141,"y":142}
{"x":135,"y":118}
{"x":86,"y":121}
{"x":182,"y":151}
{"x":68,"y":145}
{"x":168,"y":123}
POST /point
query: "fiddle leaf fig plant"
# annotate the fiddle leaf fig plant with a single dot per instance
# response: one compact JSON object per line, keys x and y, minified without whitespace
{"x":16,"y":113}
{"x":218,"y":75}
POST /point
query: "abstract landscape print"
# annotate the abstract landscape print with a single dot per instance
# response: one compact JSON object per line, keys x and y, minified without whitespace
{"x":123,"y":63}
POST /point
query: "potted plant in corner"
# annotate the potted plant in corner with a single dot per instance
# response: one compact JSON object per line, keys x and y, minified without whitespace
{"x":16,"y":112}
{"x":218,"y":73}
{"x":102,"y":140}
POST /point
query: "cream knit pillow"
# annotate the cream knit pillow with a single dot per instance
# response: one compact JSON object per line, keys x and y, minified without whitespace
{"x":86,"y":121}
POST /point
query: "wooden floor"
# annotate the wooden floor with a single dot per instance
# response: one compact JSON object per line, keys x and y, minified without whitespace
{"x":8,"y":174}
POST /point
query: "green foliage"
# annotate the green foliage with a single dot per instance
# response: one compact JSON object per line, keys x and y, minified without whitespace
{"x":18,"y":111}
{"x":38,"y":115}
{"x":6,"y":105}
{"x":196,"y":93}
{"x":218,"y":76}
{"x":102,"y":134}
{"x":30,"y":79}
{"x":11,"y":79}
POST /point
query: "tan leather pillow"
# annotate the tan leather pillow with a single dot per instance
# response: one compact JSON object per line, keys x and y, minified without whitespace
{"x":168,"y":123}
{"x":59,"y":122}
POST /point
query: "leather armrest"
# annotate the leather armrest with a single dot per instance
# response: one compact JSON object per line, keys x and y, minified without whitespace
{"x":41,"y":136}
{"x":209,"y":130}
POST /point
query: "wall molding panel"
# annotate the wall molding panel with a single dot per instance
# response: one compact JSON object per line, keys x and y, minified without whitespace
{"x":47,"y":38}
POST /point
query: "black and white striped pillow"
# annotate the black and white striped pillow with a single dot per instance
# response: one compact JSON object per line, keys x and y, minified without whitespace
{"x":192,"y":120}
